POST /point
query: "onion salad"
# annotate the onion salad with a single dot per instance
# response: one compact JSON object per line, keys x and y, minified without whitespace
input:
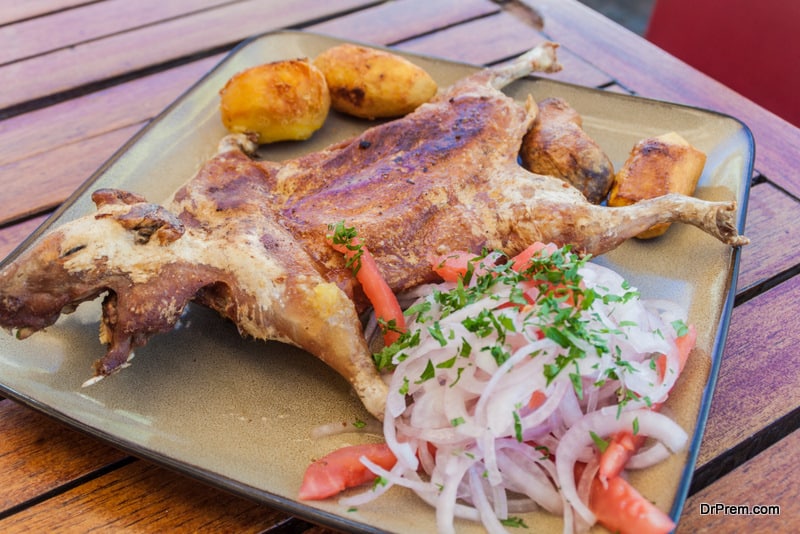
{"x":511,"y":378}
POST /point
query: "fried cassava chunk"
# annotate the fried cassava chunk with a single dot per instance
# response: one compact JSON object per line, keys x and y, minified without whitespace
{"x":657,"y":166}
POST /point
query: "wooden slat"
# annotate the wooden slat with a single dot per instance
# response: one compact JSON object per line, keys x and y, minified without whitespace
{"x":772,"y":216}
{"x":70,"y":27}
{"x":38,"y":454}
{"x":14,"y":10}
{"x":123,"y":53}
{"x":63,"y":145}
{"x":773,"y":473}
{"x":481,"y":42}
{"x":612,"y":49}
{"x":34,"y":133}
{"x":145,"y":498}
{"x":759,"y":378}
{"x":392,"y":22}
{"x":41,"y":184}
{"x":11,"y":236}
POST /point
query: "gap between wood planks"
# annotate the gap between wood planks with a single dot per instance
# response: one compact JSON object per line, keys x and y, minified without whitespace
{"x":63,"y":488}
{"x":745,"y":450}
{"x":48,"y":100}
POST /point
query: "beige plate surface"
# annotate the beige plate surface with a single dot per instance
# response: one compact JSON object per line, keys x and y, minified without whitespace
{"x":238,"y":413}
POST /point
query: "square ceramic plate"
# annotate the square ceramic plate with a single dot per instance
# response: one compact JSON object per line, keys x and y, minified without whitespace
{"x":238,"y":414}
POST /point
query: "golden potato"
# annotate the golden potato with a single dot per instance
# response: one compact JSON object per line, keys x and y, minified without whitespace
{"x":279,"y":101}
{"x":657,"y":166}
{"x":370,"y":83}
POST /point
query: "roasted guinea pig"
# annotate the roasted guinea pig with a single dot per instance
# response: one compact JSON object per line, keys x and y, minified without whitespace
{"x":249,"y":239}
{"x":557,"y":145}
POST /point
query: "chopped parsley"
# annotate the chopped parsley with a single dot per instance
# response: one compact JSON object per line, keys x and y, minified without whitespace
{"x":517,"y":426}
{"x":513,"y":522}
{"x":547,"y":298}
{"x":681,"y":328}
{"x":346,"y":236}
{"x":599,"y":442}
{"x":428,"y":373}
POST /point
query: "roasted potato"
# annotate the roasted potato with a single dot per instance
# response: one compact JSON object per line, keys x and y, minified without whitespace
{"x":280,"y":101}
{"x":657,"y":166}
{"x":370,"y":83}
{"x":557,"y":145}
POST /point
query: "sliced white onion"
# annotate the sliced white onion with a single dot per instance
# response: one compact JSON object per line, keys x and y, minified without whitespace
{"x":482,"y":504}
{"x":474,"y":413}
{"x":371,"y":426}
{"x":648,"y":457}
{"x":604,"y":423}
{"x":524,"y":476}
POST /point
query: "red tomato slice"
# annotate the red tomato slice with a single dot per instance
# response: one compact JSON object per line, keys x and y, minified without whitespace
{"x":380,"y":295}
{"x":451,"y":267}
{"x":343,"y":469}
{"x":620,"y":508}
{"x":624,"y":444}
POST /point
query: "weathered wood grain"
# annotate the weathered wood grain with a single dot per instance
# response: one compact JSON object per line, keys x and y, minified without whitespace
{"x":772,"y":217}
{"x":47,"y":153}
{"x":14,"y":10}
{"x":37,"y":132}
{"x":773,"y":473}
{"x":35,"y":185}
{"x":392,"y":22}
{"x":38,"y":454}
{"x":11,"y":236}
{"x":121,"y":53}
{"x":759,"y":378}
{"x":93,"y":21}
{"x":144,"y":498}
{"x":502,"y":35}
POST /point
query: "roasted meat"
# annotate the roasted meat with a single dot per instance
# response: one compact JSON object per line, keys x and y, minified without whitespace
{"x":248,"y":238}
{"x":557,"y":145}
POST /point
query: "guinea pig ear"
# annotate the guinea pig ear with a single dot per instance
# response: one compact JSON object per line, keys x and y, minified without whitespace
{"x":104,"y":197}
{"x":146,"y":221}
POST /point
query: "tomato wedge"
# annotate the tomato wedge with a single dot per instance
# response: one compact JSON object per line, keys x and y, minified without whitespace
{"x":452,"y":267}
{"x":343,"y":469}
{"x":620,"y":508}
{"x":521,"y":260}
{"x":624,"y":444}
{"x":380,"y":295}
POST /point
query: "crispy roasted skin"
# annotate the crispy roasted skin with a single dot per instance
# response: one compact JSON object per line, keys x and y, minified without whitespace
{"x":557,"y":145}
{"x":248,"y":238}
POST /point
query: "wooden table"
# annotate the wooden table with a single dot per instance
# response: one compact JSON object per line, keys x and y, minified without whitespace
{"x":80,"y":77}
